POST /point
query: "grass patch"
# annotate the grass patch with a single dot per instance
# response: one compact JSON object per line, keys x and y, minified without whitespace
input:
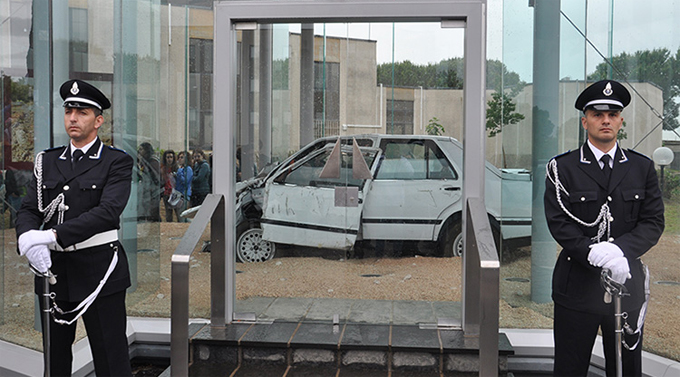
{"x":672,"y":213}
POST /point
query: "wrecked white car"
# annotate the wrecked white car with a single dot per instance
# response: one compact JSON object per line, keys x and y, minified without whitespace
{"x":403,"y":188}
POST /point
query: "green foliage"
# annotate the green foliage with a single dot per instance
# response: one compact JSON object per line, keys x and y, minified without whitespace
{"x":434,"y":127}
{"x":448,"y":74}
{"x":21,"y":91}
{"x":671,"y":185}
{"x":280,"y":74}
{"x":501,"y":113}
{"x":658,"y":67}
{"x":622,"y":135}
{"x":672,"y":213}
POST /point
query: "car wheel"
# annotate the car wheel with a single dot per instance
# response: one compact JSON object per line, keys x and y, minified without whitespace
{"x":451,"y":244}
{"x":250,"y":246}
{"x":453,"y":241}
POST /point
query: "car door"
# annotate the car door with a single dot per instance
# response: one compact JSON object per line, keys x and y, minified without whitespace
{"x":415,"y":188}
{"x":301,"y":208}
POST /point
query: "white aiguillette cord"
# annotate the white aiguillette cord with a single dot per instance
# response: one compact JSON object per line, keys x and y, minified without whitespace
{"x":604,"y":227}
{"x":89,"y":299}
{"x":58,"y":205}
{"x":602,"y":218}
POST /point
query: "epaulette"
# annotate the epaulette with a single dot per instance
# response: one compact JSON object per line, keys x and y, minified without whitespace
{"x":111,"y":147}
{"x":561,"y":154}
{"x":638,"y":153}
{"x":54,"y":148}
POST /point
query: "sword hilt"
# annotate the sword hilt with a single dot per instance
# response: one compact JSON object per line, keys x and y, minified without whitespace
{"x":611,"y":286}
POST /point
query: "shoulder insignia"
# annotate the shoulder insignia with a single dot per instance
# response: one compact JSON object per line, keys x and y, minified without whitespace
{"x":562,"y":154}
{"x":111,"y":147}
{"x":638,"y":153}
{"x":54,"y":148}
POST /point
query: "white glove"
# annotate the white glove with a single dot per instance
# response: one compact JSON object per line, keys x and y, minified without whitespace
{"x":619,"y":269}
{"x":603,"y":252}
{"x":36,"y":237}
{"x":39,"y":257}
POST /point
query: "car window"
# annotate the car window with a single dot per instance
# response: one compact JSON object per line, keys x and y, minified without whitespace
{"x":439,"y":166}
{"x":408,"y":160}
{"x":308,"y":173}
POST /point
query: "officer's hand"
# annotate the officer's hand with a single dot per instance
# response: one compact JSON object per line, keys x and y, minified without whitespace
{"x":619,"y":268}
{"x":39,"y":257}
{"x":603,"y":252}
{"x":36,"y":237}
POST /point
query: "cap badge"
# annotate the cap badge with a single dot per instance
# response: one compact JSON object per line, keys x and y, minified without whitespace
{"x":74,"y":89}
{"x":608,"y":90}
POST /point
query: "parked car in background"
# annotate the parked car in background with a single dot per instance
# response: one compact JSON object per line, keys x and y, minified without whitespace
{"x":412,"y":193}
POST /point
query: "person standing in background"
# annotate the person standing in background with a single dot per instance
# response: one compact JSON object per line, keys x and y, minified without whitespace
{"x":149,"y":189}
{"x":200,"y":183}
{"x":183,"y":179}
{"x":16,"y":182}
{"x":168,"y":172}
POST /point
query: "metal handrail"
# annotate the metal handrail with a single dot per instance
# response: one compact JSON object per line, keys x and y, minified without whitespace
{"x":482,"y":294}
{"x":211,"y":211}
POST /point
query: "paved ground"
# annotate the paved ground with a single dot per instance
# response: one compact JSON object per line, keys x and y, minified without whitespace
{"x":418,"y":279}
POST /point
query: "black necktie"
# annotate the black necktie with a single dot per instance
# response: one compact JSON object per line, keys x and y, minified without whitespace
{"x":76,"y":157}
{"x":606,"y":169}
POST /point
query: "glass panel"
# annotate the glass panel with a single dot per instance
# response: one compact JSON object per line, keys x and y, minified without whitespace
{"x":122,"y":58}
{"x":336,"y":231}
{"x":598,"y":40}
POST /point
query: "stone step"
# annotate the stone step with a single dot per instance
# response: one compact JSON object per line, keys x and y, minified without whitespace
{"x":293,"y":348}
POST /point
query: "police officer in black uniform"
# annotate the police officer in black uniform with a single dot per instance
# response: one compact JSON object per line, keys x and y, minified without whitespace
{"x":603,"y":206}
{"x":68,"y":225}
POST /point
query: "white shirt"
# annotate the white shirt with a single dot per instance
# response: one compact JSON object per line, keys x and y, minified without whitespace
{"x":598,"y":154}
{"x":84,"y":149}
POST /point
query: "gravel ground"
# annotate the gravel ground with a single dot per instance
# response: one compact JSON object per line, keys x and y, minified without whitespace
{"x":415,"y":278}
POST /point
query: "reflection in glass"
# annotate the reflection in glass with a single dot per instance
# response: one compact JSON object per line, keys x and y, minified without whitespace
{"x":368,"y":80}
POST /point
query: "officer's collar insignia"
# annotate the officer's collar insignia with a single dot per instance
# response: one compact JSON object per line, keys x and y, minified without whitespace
{"x":624,"y":158}
{"x":584,"y":160}
{"x":63,"y":154}
{"x":607,"y":90}
{"x":74,"y":89}
{"x":98,"y":153}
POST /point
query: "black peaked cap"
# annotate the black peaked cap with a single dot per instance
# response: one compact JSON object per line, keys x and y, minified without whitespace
{"x":78,"y":93}
{"x":603,"y":95}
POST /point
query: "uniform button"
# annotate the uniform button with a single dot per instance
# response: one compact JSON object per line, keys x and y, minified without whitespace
{"x":583,"y":198}
{"x":609,"y":198}
{"x":637,"y":196}
{"x":569,"y":258}
{"x":611,"y":239}
{"x":611,"y":219}
{"x":66,"y":188}
{"x":94,"y":186}
{"x":66,"y":208}
{"x":44,"y":186}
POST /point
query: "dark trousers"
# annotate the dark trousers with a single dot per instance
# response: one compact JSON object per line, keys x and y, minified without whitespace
{"x":575,"y":333}
{"x":105,"y":322}
{"x":197,"y":199}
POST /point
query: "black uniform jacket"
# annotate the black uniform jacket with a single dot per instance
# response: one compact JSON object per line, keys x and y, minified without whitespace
{"x":636,"y":223}
{"x":95,"y":194}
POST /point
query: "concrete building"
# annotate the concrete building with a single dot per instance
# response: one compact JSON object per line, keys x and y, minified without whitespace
{"x":298,"y":79}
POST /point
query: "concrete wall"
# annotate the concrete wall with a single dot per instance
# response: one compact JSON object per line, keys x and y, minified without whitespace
{"x":512,"y":147}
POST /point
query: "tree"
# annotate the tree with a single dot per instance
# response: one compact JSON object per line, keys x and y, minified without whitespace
{"x":658,"y":67}
{"x":434,"y":127}
{"x":21,"y":91}
{"x":448,"y":73}
{"x":501,"y":113}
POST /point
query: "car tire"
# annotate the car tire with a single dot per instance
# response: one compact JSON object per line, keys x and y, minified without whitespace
{"x":250,"y":247}
{"x":452,"y":244}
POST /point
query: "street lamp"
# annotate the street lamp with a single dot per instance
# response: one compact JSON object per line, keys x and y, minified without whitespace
{"x":663,"y":156}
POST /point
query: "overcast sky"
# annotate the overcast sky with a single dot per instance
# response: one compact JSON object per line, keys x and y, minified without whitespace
{"x":638,"y":25}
